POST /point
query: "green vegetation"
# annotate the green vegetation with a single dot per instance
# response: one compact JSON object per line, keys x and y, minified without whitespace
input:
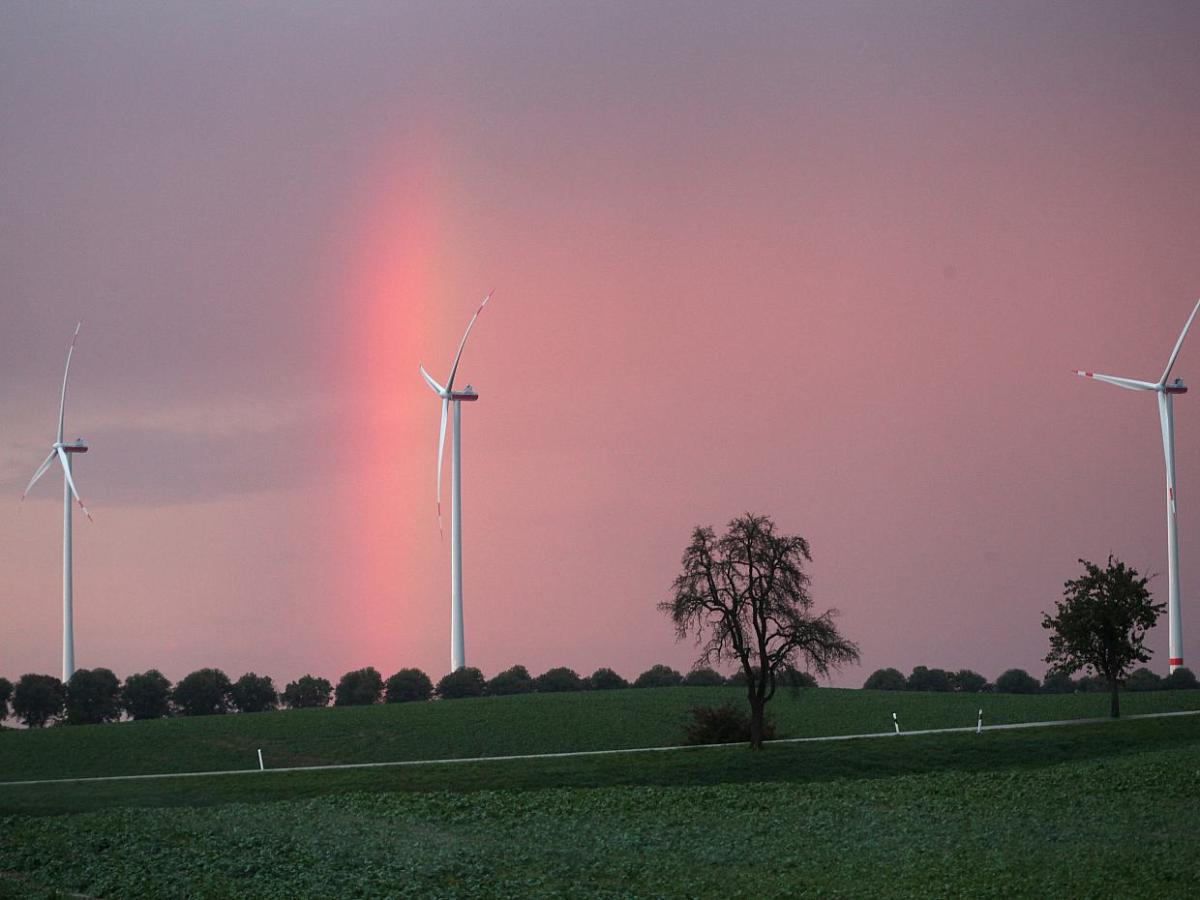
{"x":1043,"y":812}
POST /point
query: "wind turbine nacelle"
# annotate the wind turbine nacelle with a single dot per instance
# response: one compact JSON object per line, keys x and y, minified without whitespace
{"x":1175,"y":387}
{"x":78,"y":447}
{"x":468,"y":394}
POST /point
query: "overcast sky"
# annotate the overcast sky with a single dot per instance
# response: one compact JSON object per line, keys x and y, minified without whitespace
{"x":831,"y":262}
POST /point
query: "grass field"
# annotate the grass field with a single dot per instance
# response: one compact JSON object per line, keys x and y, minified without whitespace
{"x":1106,"y":809}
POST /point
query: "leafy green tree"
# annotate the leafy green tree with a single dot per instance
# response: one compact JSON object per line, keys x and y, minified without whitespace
{"x":557,"y":680}
{"x":516,"y":680}
{"x":704,"y":676}
{"x":886,"y":680}
{"x":6,"y":689}
{"x":1091,"y":684}
{"x":205,"y":692}
{"x":362,"y":687}
{"x":605,"y":679}
{"x":406,"y":686}
{"x":254,"y":693}
{"x":745,"y":596}
{"x":1143,"y":680}
{"x":1181,"y":679}
{"x":923,"y":679}
{"x":93,"y":696}
{"x":307,"y":692}
{"x":465,"y":682}
{"x":1101,"y":624}
{"x":965,"y":681}
{"x":1017,"y":681}
{"x":1058,"y":683}
{"x":658,"y":676}
{"x":38,"y":699}
{"x":146,"y":695}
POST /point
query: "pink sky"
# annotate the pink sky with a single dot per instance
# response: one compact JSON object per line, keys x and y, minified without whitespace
{"x":829,"y":262}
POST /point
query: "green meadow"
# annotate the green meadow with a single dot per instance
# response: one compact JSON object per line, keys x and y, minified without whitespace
{"x":1093,"y":809}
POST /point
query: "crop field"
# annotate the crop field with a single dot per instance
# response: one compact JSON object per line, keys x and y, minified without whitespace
{"x":499,"y":726}
{"x":1099,"y":809}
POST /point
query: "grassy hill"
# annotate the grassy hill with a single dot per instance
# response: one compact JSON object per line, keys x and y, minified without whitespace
{"x":498,"y":726}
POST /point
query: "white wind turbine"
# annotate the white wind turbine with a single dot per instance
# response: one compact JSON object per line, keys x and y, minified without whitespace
{"x":1166,"y":393}
{"x":62,"y":452}
{"x":449,"y":395}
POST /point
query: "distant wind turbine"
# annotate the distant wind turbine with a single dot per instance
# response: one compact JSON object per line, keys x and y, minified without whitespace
{"x":449,"y":395}
{"x":1166,"y":394}
{"x":62,"y":452}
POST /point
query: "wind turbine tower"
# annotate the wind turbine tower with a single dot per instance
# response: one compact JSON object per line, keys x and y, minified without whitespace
{"x":449,"y":395}
{"x":63,"y":452}
{"x":1166,"y":397}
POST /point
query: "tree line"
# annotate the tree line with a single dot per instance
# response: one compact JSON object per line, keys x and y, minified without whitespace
{"x":93,"y":696}
{"x":1018,"y":681}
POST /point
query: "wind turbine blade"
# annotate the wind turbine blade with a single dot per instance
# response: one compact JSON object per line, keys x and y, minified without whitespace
{"x":441,"y":449}
{"x":62,"y":401}
{"x":1129,"y":384}
{"x":40,"y":472}
{"x":463,"y":342}
{"x":1178,"y":344}
{"x":62,"y":455}
{"x":429,"y":379}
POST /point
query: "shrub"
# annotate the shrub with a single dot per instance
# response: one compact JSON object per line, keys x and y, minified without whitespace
{"x":1058,"y":683}
{"x":146,"y":695}
{"x":464,"y":682}
{"x":1017,"y":681}
{"x":721,"y":725}
{"x":658,"y":676}
{"x":1091,"y":684}
{"x":38,"y":699}
{"x":558,"y":679}
{"x":737,"y":679}
{"x":254,"y":693}
{"x":1181,"y":679}
{"x":516,"y":680}
{"x":92,"y":697}
{"x":923,"y":679}
{"x":307,"y":692}
{"x":885,"y":680}
{"x":407,"y":686}
{"x":966,"y":681}
{"x":703,"y":677}
{"x":605,"y":679}
{"x":205,"y":692}
{"x":5,"y":695}
{"x":1143,"y":680}
{"x":360,"y":687}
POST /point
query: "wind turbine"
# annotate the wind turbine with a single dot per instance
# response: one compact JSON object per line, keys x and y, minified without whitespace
{"x":62,"y":452}
{"x":1166,"y":395}
{"x":449,"y":395}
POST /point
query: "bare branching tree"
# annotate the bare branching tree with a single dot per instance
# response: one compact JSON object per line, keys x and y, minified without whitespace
{"x":745,"y":598}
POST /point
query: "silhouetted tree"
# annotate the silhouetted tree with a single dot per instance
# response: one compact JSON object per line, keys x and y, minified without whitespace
{"x":704,"y":676}
{"x":923,"y":679}
{"x":966,"y":681}
{"x":558,"y":679}
{"x":362,"y":687}
{"x":791,"y":677}
{"x":1058,"y":683}
{"x":93,"y":696}
{"x":1017,"y":681}
{"x":745,"y":598}
{"x":886,"y":680}
{"x":307,"y":692}
{"x":658,"y":675}
{"x":1101,"y":624}
{"x":38,"y":699}
{"x":205,"y":692}
{"x":464,"y":682}
{"x":1143,"y":680}
{"x":146,"y":695}
{"x":254,"y":693}
{"x":605,"y":679}
{"x":516,"y":680}
{"x":408,"y":685}
{"x":1181,"y":679}
{"x":5,"y":695}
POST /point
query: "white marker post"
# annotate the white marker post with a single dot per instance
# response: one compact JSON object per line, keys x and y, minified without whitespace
{"x":979,"y":724}
{"x":261,"y":767}
{"x":896,"y":722}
